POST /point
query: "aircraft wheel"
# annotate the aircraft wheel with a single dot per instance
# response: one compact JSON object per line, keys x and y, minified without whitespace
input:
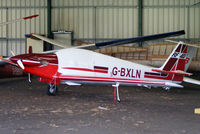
{"x":51,"y":90}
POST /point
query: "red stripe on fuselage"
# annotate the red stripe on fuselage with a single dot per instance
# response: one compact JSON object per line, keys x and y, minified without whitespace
{"x":159,"y":78}
{"x":86,"y":70}
{"x":104,"y":79}
{"x":100,"y":68}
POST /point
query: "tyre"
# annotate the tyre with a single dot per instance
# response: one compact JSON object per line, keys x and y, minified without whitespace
{"x":51,"y":90}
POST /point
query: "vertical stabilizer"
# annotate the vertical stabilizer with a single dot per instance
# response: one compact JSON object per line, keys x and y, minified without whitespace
{"x":179,"y":60}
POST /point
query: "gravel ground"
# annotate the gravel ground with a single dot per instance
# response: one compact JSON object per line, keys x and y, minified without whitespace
{"x":26,"y":109}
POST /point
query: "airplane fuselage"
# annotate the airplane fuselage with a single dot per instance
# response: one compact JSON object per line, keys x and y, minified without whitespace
{"x":83,"y":66}
{"x":79,"y":66}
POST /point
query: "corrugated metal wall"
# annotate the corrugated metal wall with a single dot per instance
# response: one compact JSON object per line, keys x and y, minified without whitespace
{"x":113,"y":19}
{"x":101,"y":19}
{"x":168,"y":15}
{"x":12,"y":36}
{"x":97,"y":20}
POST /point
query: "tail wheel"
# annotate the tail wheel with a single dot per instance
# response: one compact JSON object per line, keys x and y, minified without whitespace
{"x":51,"y":90}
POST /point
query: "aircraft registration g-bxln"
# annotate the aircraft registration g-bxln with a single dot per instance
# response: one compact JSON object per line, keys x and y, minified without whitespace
{"x":77,"y":66}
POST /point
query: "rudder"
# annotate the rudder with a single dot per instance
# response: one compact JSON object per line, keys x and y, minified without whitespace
{"x":179,"y":60}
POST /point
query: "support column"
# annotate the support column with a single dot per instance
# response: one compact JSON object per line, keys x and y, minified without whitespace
{"x":140,"y":21}
{"x":48,"y":46}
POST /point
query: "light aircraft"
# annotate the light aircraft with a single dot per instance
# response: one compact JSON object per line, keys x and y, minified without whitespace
{"x":79,"y":65}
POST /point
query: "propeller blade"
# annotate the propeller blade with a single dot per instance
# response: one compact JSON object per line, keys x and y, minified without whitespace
{"x":21,"y":65}
{"x":13,"y":54}
{"x":20,"y":19}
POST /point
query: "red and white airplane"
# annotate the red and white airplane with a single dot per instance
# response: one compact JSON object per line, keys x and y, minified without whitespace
{"x":77,"y":66}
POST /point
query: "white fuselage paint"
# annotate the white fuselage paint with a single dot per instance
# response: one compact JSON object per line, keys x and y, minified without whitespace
{"x":79,"y":63}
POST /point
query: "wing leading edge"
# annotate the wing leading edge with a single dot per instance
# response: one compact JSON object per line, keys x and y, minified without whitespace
{"x":140,"y":39}
{"x":115,"y":42}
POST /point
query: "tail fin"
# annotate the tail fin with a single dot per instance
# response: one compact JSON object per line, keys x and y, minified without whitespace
{"x":179,"y":60}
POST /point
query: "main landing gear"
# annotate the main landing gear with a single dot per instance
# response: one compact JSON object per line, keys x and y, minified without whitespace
{"x":116,"y":92}
{"x":166,"y":88}
{"x":51,"y":90}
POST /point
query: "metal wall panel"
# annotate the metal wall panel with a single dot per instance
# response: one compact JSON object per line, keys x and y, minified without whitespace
{"x":18,"y":46}
{"x":73,"y":3}
{"x":194,"y":23}
{"x":3,"y":13}
{"x":116,"y":23}
{"x":3,"y":47}
{"x":168,"y":3}
{"x":169,"y":15}
{"x":14,"y":34}
{"x":96,"y":20}
{"x":111,"y":19}
{"x":78,"y":20}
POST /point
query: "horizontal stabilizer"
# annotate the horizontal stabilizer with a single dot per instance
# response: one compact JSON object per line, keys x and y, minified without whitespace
{"x":170,"y":84}
{"x":192,"y":81}
{"x":178,"y":72}
{"x":192,"y":45}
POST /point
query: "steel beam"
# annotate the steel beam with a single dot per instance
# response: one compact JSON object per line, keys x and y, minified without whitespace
{"x":48,"y":46}
{"x":94,"y":7}
{"x":140,"y":6}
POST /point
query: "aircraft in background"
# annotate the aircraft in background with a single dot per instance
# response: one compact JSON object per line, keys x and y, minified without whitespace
{"x":79,"y":65}
{"x":8,"y":70}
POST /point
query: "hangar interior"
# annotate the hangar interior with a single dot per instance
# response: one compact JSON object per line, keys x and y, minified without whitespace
{"x":25,"y":108}
{"x":89,"y":21}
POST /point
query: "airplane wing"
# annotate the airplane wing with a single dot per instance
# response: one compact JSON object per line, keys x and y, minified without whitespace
{"x":114,"y":42}
{"x":51,"y":41}
{"x":62,"y":45}
{"x":20,"y":19}
{"x":140,"y":39}
{"x":5,"y":61}
{"x":192,"y":81}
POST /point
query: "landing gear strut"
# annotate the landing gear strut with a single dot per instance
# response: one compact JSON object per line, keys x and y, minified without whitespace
{"x":51,"y":90}
{"x":116,"y":92}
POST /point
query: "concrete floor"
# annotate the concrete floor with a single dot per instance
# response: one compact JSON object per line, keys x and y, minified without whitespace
{"x":26,"y":109}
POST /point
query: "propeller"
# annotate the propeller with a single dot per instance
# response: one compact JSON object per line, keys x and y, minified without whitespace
{"x":13,"y":54}
{"x":21,"y":65}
